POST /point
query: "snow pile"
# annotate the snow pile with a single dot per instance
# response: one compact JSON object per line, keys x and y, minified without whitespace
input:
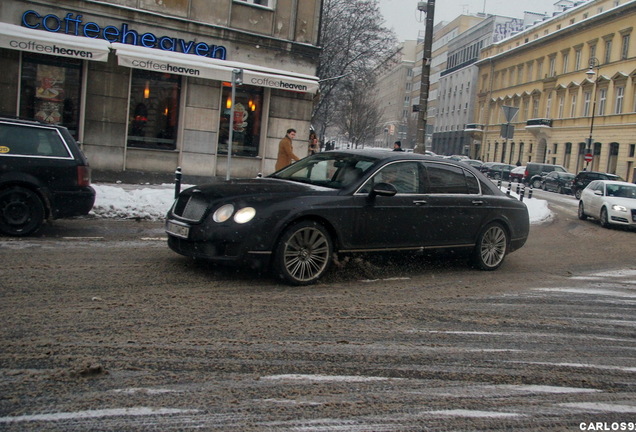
{"x":153,"y":202}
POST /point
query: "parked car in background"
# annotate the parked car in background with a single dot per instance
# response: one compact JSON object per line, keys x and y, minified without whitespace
{"x":611,"y":202}
{"x":584,"y":178}
{"x":473,"y":162}
{"x":559,"y":182}
{"x":43,"y":175}
{"x":517,"y":174}
{"x":295,"y":220}
{"x":535,"y":172}
{"x":498,"y":171}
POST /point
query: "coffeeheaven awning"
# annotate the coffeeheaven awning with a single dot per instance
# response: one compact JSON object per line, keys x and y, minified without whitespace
{"x":202,"y":67}
{"x":38,"y":41}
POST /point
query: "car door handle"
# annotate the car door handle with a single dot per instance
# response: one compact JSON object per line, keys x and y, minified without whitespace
{"x":420,"y":202}
{"x":478,"y":202}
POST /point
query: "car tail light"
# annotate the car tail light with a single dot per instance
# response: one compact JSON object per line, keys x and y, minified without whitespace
{"x":525,"y":174}
{"x":83,"y":175}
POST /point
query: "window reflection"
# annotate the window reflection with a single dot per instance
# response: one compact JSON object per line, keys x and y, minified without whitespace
{"x":50,"y":90}
{"x":247,"y":120}
{"x":154,"y":110}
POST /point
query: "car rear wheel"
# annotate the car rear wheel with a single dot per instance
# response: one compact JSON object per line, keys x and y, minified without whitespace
{"x":491,"y":247}
{"x":21,"y":211}
{"x":577,"y":194}
{"x":581,"y":211}
{"x":536,"y":184}
{"x":604,"y":219}
{"x":303,"y":253}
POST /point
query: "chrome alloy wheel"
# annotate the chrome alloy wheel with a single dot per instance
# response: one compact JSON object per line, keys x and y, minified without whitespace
{"x":491,"y":247}
{"x":304,"y":253}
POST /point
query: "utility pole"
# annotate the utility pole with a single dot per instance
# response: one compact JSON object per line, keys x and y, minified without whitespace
{"x":429,"y":8}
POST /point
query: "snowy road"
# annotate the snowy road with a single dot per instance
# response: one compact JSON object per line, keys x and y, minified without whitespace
{"x":106,"y":329}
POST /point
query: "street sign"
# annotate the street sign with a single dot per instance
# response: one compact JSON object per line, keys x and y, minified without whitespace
{"x":509,"y":112}
{"x":507,"y":131}
{"x":588,"y":157}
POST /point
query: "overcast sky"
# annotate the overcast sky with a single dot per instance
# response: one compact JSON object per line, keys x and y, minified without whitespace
{"x":402,"y":15}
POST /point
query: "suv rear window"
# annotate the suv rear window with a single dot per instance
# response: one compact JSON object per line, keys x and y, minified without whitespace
{"x":28,"y":141}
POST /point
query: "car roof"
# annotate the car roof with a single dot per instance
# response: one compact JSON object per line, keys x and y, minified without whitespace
{"x":615,"y":182}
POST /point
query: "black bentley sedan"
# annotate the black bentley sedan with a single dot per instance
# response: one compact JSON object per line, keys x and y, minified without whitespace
{"x":296,"y":219}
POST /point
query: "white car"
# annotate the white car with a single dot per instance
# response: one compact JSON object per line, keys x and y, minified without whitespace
{"x":611,"y":202}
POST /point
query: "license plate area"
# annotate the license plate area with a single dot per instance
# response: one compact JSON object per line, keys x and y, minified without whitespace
{"x":178,"y":229}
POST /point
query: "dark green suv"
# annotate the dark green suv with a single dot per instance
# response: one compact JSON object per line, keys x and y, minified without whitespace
{"x":535,"y":172}
{"x":43,"y":175}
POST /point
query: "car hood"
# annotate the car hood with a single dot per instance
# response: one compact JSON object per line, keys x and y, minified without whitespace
{"x":255,"y":188}
{"x":626,"y":202}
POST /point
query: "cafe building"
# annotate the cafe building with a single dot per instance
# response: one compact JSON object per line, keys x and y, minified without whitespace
{"x":152,"y":85}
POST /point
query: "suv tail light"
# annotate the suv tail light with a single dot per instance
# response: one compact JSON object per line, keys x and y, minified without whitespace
{"x":83,"y":175}
{"x":525,"y":174}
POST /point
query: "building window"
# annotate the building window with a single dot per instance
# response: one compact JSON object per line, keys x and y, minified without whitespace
{"x":535,"y":107}
{"x":602,"y":101}
{"x":608,"y":51}
{"x":248,"y":111}
{"x":566,"y":60}
{"x":50,"y":90}
{"x":577,"y":59}
{"x":154,"y":110}
{"x":592,"y":51}
{"x":632,"y":150}
{"x":552,"y":67}
{"x":620,"y":93}
{"x":561,"y":105}
{"x":548,"y":106}
{"x":625,"y":47}
{"x":573,"y":105}
{"x":587,"y":97}
{"x":266,"y":3}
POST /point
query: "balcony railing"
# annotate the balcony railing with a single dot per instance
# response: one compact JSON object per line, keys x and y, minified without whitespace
{"x":541,"y":122}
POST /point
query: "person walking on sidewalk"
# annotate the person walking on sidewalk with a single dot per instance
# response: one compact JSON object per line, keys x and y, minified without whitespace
{"x":285,"y":150}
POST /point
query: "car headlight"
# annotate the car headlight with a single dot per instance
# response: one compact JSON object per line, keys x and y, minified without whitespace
{"x":244,"y":215}
{"x":619,"y":208}
{"x":223,"y":213}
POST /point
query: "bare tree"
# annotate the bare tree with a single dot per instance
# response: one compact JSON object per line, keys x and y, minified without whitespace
{"x":355,"y":45}
{"x":360,"y":113}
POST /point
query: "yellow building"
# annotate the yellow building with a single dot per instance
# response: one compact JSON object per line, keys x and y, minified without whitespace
{"x":565,"y":111}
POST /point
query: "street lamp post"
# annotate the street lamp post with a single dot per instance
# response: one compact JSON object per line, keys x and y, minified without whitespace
{"x":591,"y":74}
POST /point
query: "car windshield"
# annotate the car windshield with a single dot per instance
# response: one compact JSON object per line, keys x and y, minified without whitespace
{"x":621,"y":191}
{"x":334,"y":170}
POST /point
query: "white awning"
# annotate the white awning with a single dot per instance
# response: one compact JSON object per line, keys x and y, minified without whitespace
{"x":58,"y":44}
{"x":156,"y":60}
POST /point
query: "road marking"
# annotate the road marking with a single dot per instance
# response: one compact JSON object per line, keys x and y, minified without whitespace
{"x":83,"y":238}
{"x":475,"y":413}
{"x":115,"y":412}
{"x":604,"y":407}
{"x":326,"y":378}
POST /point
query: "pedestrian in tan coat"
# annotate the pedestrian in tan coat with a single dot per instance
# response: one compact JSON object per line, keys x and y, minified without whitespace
{"x":285,"y":151}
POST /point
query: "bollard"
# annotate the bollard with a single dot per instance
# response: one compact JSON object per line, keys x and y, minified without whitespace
{"x":177,"y":182}
{"x":508,"y":190}
{"x":530,"y":192}
{"x":499,"y":183}
{"x":518,"y":187}
{"x":523,"y":191}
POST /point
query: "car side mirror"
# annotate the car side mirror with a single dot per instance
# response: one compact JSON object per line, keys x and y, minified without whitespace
{"x":383,"y":189}
{"x":598,"y":192}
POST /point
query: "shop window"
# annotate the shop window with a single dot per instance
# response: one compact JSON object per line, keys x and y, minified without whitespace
{"x":247,"y":120}
{"x":50,"y":90}
{"x":154,"y":110}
